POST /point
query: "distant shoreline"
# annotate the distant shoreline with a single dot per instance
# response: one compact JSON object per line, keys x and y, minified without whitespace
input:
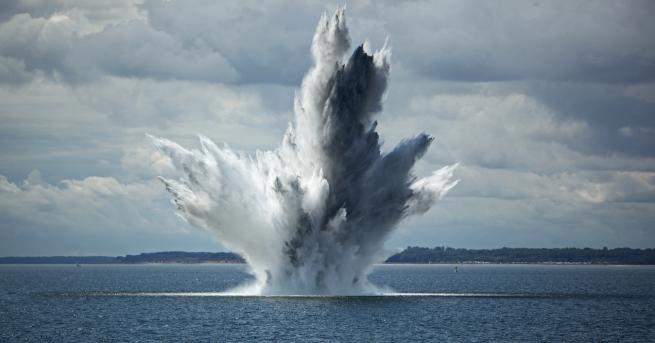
{"x":411,"y":255}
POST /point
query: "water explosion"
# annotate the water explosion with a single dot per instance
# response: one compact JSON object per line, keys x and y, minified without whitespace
{"x":312,"y":216}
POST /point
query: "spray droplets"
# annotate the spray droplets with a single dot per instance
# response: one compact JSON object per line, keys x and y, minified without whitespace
{"x":312,"y":216}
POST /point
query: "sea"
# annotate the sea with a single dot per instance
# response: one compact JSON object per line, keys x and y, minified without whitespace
{"x":425,"y":303}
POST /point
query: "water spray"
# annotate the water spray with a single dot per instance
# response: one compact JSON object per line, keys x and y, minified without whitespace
{"x":312,"y":216}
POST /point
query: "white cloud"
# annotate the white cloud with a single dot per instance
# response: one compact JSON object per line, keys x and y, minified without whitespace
{"x":94,"y":203}
{"x":82,"y":216}
{"x":618,"y":187}
{"x":496,"y":131}
{"x":67,"y":46}
{"x":537,"y":222}
{"x":573,"y":187}
{"x":51,"y":126}
{"x":138,"y":102}
{"x":146,"y":161}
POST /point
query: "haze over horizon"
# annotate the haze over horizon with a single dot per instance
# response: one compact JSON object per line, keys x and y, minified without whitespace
{"x":548,"y":106}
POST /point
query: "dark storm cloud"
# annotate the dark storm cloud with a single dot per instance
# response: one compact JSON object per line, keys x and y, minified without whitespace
{"x":10,"y":7}
{"x":508,"y":40}
{"x":619,"y":123}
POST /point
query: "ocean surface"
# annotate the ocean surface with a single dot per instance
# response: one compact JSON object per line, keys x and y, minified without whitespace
{"x":179,"y":303}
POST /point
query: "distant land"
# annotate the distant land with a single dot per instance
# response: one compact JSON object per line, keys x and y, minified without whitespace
{"x":525,"y":255}
{"x":182,"y":257}
{"x":409,"y":255}
{"x":154,"y":257}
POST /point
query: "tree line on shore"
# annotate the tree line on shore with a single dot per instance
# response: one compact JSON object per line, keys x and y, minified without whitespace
{"x":524,"y":255}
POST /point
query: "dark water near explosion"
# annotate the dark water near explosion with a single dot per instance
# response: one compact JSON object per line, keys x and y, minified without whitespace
{"x":526,"y":303}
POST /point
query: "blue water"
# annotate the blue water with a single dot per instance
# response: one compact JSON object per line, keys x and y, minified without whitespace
{"x":479,"y":303}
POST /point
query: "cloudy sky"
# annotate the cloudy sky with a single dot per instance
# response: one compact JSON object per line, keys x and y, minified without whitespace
{"x":548,"y":105}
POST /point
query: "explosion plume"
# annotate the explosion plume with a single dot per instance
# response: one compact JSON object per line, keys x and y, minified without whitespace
{"x":312,"y":216}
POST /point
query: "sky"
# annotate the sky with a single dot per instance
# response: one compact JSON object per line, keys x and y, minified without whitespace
{"x":548,"y":106}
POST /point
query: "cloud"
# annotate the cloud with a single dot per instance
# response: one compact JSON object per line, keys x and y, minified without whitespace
{"x":266,"y":42}
{"x":101,"y":11}
{"x":68,"y":47}
{"x":143,"y":160}
{"x":618,"y":187}
{"x":53,"y":127}
{"x":570,"y":187}
{"x":77,"y":216}
{"x":468,"y":41}
{"x":523,"y":174}
{"x":251,"y":42}
{"x":102,"y":202}
{"x":512,"y":131}
{"x":536,"y":222}
{"x":147,"y":103}
{"x":13,"y":71}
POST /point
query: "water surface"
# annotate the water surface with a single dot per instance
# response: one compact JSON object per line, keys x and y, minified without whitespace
{"x":428,"y":302}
